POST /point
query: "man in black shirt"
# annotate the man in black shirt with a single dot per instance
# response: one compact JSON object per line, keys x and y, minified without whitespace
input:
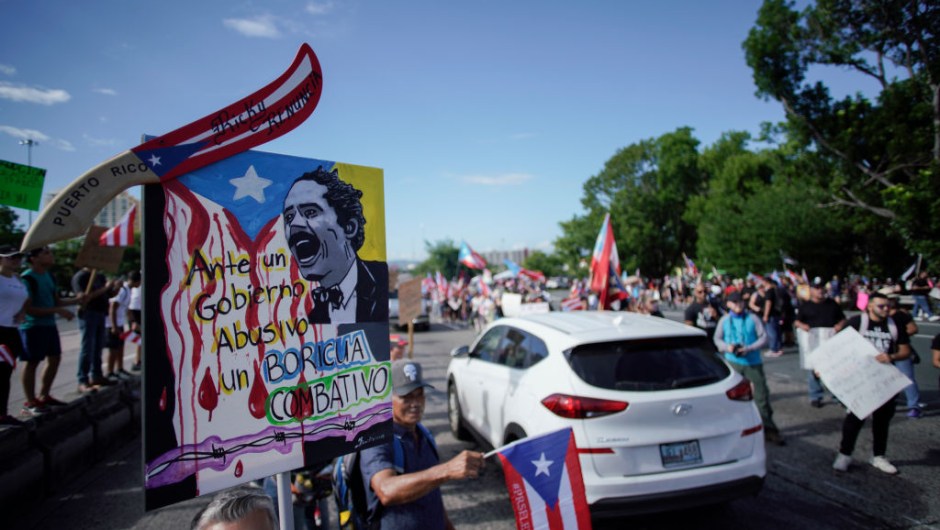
{"x":818,"y":312}
{"x":702,"y":313}
{"x":893,"y":344}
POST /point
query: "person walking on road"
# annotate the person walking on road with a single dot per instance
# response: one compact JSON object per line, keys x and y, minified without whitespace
{"x":39,"y":331}
{"x":920,"y":289}
{"x":739,"y":336}
{"x":818,"y":312}
{"x":12,"y":301}
{"x":903,"y":319}
{"x":893,"y":344}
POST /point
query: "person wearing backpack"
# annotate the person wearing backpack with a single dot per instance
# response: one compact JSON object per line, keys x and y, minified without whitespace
{"x":408,"y":495}
{"x":893,"y":344}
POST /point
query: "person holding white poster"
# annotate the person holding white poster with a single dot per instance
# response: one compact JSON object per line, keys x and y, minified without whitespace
{"x":817,"y":318}
{"x":893,"y":344}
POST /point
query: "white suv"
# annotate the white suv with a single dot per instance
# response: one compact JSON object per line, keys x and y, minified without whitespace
{"x":660,"y":421}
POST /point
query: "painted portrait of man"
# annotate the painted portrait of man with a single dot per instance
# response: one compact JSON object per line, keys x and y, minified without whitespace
{"x":325,"y":228}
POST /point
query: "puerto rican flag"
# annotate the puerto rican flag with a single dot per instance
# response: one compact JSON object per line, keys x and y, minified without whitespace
{"x":131,"y":336}
{"x":442,"y":285}
{"x":690,"y":265}
{"x":573,"y":303}
{"x":482,"y":286}
{"x":6,"y":356}
{"x":469,"y":258}
{"x":122,"y":234}
{"x":605,"y":263}
{"x":543,"y":476}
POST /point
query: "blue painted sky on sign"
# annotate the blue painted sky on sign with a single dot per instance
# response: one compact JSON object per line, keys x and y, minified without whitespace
{"x":487,"y":117}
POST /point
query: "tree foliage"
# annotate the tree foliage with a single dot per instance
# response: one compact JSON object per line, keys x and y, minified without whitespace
{"x":442,"y":256}
{"x":885,"y":151}
{"x":548,"y":264}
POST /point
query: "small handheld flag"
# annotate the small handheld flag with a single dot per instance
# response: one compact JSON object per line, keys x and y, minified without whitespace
{"x":469,"y":258}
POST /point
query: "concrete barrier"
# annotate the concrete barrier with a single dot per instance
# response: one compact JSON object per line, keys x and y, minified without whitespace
{"x":60,"y":445}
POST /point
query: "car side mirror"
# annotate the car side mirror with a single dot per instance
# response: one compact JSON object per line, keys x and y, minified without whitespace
{"x":460,"y":351}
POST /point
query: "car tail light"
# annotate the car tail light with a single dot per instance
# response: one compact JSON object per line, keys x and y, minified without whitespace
{"x":741,"y":391}
{"x":595,"y":451}
{"x":575,"y":407}
{"x":752,"y":430}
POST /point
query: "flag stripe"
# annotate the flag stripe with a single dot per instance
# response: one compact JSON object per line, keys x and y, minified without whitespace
{"x":6,"y":355}
{"x":573,"y":466}
{"x":122,"y":234}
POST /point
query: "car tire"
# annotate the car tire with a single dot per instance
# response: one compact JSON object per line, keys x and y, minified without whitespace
{"x":454,"y":416}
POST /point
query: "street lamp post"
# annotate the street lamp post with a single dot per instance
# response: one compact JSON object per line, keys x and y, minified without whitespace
{"x":29,"y":143}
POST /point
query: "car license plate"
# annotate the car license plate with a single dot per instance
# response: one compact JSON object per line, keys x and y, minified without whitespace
{"x":680,"y":453}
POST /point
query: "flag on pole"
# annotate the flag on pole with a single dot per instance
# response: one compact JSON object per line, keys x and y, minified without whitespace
{"x":441,"y":285}
{"x":909,"y":271}
{"x":469,"y":258}
{"x":573,"y":303}
{"x":605,"y":263}
{"x":543,"y":476}
{"x":482,"y":286}
{"x":690,"y":265}
{"x":519,"y":270}
{"x":121,"y":234}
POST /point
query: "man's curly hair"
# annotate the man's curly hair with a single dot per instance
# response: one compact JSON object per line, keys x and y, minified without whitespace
{"x":343,"y":198}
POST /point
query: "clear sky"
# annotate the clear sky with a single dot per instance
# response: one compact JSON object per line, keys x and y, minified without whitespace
{"x":486,"y":116}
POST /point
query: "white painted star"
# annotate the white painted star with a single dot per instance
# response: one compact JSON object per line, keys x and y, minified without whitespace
{"x":154,"y":160}
{"x":541,"y":465}
{"x":251,"y":185}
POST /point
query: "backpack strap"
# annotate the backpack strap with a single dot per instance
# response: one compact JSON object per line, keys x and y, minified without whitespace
{"x":398,"y":453}
{"x":863,"y":326}
{"x":893,"y":329}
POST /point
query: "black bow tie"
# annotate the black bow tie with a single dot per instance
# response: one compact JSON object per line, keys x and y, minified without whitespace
{"x":333,"y":295}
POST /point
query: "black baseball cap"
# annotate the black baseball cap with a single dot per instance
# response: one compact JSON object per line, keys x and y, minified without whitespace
{"x":10,"y":251}
{"x":407,"y":377}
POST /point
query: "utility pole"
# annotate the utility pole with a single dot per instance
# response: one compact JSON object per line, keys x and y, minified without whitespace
{"x":29,"y":143}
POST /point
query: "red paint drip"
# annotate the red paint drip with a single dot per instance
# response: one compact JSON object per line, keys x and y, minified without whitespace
{"x":258,"y":395}
{"x":305,"y":410}
{"x":208,"y":394}
{"x":163,"y":400}
{"x":239,"y":469}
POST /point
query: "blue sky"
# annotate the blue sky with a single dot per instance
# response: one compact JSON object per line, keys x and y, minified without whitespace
{"x":487,"y":117}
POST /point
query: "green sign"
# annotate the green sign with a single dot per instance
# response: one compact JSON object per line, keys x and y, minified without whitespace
{"x":21,"y":186}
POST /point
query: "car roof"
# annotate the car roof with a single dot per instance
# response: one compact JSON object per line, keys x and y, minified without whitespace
{"x":582,"y":327}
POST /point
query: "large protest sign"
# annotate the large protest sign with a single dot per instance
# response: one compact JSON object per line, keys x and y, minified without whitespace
{"x":266,"y":321}
{"x":808,"y":341}
{"x":21,"y":186}
{"x":847,"y":366}
{"x":95,"y":256}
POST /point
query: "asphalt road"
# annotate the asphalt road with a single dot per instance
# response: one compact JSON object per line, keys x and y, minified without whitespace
{"x":801,"y":490}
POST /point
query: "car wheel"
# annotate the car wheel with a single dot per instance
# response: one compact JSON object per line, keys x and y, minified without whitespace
{"x":453,"y":414}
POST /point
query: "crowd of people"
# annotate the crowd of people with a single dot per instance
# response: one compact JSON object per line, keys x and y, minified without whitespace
{"x":30,"y":302}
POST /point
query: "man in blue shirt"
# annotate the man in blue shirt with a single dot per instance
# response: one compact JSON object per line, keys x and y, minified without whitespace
{"x":410,"y":497}
{"x":739,"y":336}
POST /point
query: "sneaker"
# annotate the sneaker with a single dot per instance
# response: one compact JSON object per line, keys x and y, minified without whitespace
{"x":842,"y":462}
{"x":773,"y":354}
{"x":124,"y":374}
{"x":817,"y":403}
{"x":881,"y":463}
{"x":102,"y":381}
{"x":914,"y":414}
{"x":34,"y":408}
{"x":50,"y":401}
{"x":11,"y":421}
{"x":135,"y":367}
{"x":933,"y":318}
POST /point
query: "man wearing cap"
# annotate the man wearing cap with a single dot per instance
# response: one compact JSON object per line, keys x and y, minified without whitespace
{"x":398,"y":344}
{"x":740,"y":335}
{"x":818,"y":312}
{"x":411,"y":497}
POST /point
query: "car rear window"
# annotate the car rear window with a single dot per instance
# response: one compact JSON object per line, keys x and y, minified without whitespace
{"x":648,"y":365}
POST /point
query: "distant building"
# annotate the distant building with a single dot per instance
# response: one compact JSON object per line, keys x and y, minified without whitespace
{"x":495,"y":258}
{"x":112,"y":213}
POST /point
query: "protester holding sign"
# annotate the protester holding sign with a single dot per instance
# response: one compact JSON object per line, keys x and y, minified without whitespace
{"x":818,"y":312}
{"x":91,"y":321}
{"x":892,"y":343}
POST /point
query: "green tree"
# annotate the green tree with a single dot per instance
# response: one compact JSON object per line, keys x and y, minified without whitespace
{"x":885,"y":151}
{"x":548,"y":264}
{"x":10,"y":233}
{"x":645,"y":187}
{"x":442,"y":256}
